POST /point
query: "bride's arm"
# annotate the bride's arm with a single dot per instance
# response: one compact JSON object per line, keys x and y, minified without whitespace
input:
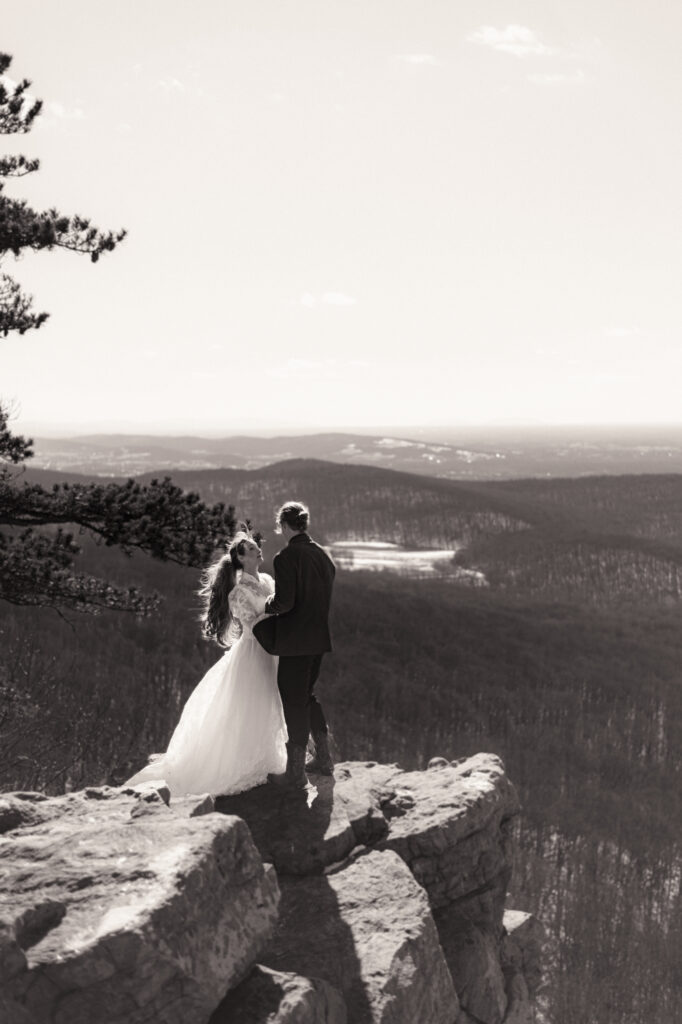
{"x":245,"y":606}
{"x":242,"y":606}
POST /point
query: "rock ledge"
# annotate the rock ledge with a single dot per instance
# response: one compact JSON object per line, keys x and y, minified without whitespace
{"x":375,"y":897}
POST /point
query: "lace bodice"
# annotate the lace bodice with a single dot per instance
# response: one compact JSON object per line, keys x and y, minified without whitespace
{"x":247,"y":603}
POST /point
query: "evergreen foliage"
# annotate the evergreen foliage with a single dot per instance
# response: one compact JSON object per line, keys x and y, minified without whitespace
{"x":22,"y":227}
{"x":36,"y":549}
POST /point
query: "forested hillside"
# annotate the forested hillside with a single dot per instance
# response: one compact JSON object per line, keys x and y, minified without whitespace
{"x":569,"y":665}
{"x":593,"y":539}
{"x":362,"y":503}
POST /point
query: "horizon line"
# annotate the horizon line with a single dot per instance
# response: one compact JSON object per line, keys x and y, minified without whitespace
{"x":74,"y":432}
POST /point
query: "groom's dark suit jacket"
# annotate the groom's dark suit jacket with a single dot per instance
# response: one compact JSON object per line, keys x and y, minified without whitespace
{"x":304,"y":576}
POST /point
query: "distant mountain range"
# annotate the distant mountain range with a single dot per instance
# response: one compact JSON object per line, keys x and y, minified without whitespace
{"x":472,"y":455}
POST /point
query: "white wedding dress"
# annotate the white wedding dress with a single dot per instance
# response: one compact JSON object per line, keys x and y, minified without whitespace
{"x":231,"y":732}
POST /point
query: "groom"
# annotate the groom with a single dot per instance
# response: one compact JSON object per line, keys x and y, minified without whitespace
{"x":304,"y":576}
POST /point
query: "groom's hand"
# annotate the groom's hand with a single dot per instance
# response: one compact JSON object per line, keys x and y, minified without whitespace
{"x":284,"y":598}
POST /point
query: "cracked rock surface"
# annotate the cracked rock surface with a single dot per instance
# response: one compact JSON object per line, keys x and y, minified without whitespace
{"x":115,"y":908}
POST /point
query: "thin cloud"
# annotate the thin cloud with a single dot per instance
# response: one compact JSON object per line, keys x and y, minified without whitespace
{"x":514,"y":39}
{"x":171,"y":85}
{"x":577,"y":77}
{"x":310,"y":301}
{"x":425,"y":59}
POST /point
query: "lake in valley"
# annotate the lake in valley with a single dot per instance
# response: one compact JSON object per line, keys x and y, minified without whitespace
{"x":417,"y":563}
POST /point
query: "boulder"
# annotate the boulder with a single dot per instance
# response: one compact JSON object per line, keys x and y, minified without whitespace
{"x":365,"y":927}
{"x":452,"y":827}
{"x":113,"y":908}
{"x":277,"y":997}
{"x":20,"y":809}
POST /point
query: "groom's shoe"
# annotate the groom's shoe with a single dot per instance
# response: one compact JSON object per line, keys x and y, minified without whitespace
{"x":321,"y":763}
{"x":294,"y":777}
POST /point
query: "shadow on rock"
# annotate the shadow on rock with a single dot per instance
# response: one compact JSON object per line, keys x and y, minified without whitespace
{"x":365,"y":928}
{"x":315,"y":938}
{"x":301,"y":831}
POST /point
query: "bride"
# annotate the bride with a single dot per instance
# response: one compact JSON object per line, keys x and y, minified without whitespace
{"x":231,"y":732}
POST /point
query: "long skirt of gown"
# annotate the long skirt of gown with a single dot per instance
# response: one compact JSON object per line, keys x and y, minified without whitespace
{"x":231,"y":732}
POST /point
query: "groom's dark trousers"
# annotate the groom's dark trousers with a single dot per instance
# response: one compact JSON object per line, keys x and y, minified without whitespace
{"x":296,"y":678}
{"x":304,"y":578}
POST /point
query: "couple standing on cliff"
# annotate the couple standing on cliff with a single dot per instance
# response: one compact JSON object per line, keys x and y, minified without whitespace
{"x":249,"y":719}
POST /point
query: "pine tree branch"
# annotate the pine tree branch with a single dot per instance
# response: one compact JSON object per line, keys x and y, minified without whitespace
{"x":13,"y":447}
{"x":15,"y":309}
{"x":159,"y":519}
{"x":35,"y":571}
{"x":17,"y":167}
{"x":21,"y":227}
{"x":18,"y":109}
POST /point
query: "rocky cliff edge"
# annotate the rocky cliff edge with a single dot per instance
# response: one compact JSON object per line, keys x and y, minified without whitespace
{"x":377,"y":895}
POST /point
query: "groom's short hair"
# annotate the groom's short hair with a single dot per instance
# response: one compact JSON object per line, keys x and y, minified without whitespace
{"x":295,"y":515}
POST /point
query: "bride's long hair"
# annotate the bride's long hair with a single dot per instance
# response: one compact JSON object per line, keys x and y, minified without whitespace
{"x":217,"y":581}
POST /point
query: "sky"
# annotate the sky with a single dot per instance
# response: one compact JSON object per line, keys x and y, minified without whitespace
{"x":351,"y":213}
